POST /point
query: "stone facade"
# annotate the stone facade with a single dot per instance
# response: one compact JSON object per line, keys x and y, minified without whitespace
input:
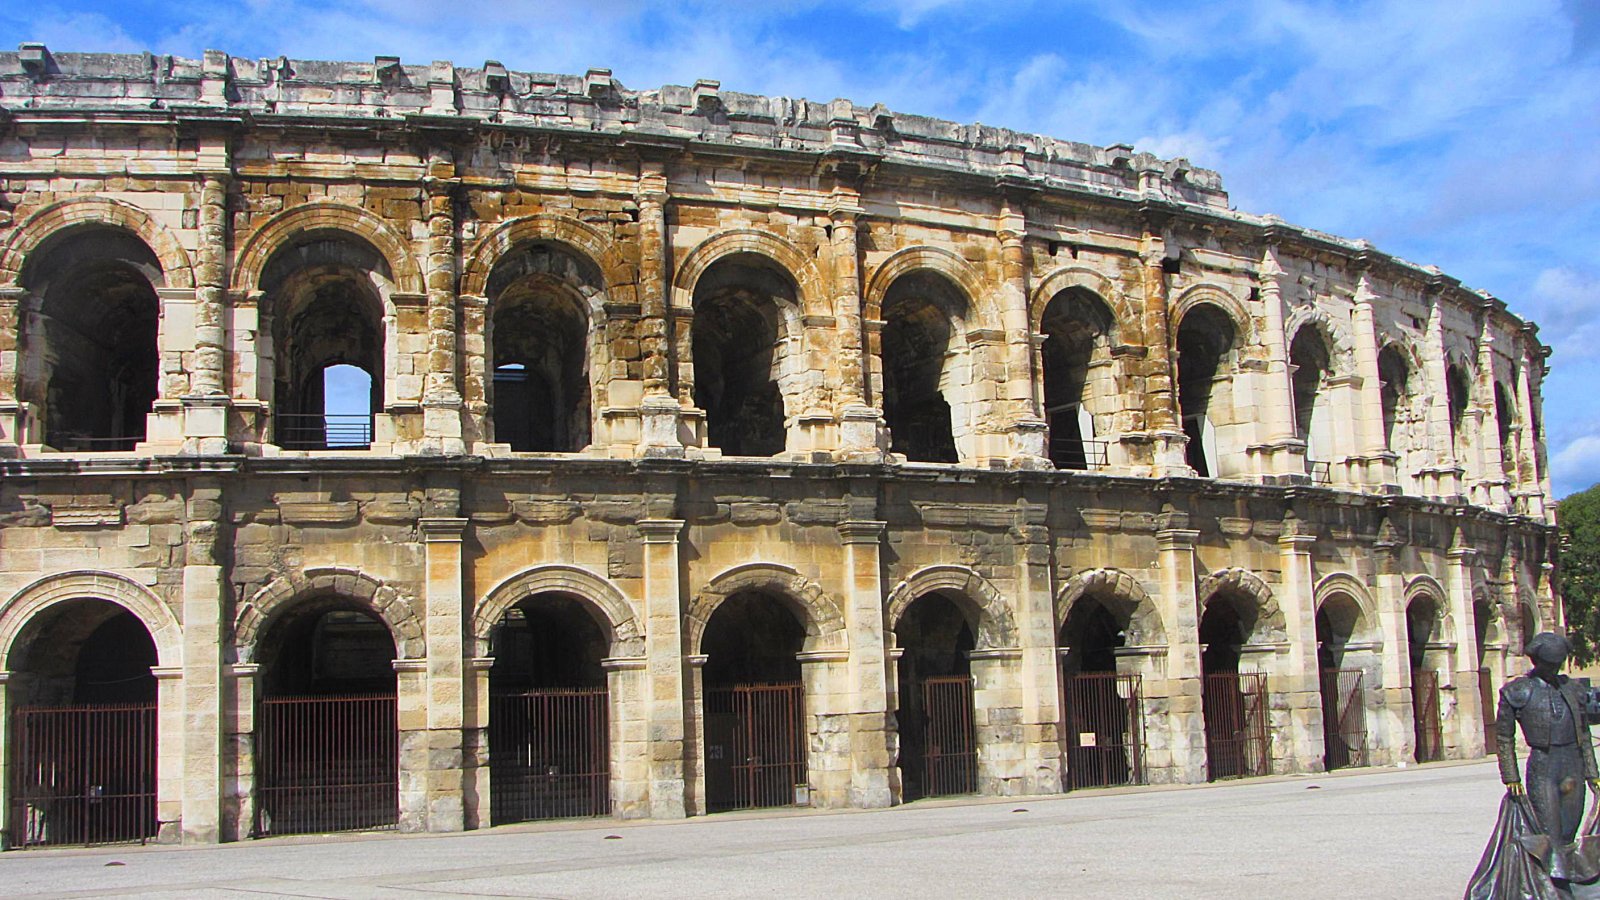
{"x":831,"y":356}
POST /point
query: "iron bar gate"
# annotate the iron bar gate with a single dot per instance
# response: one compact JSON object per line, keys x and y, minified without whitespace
{"x":84,"y":775}
{"x":549,"y":755}
{"x":755,"y":745}
{"x":1103,"y":724}
{"x":949,"y":738}
{"x":327,"y":764}
{"x":1344,"y":718}
{"x":1487,"y":703}
{"x":1425,"y":715}
{"x":1235,"y":706}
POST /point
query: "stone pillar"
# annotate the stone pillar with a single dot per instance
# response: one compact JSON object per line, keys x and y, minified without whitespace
{"x":866,"y":669}
{"x":863,"y":437}
{"x":441,"y":392}
{"x":172,"y":754}
{"x":1394,"y":724}
{"x":1530,"y":498}
{"x":18,"y":418}
{"x":1492,"y":487}
{"x":667,"y":673}
{"x":444,"y":619}
{"x":1038,"y":667}
{"x":1185,"y":719}
{"x":9,"y":822}
{"x":476,"y":811}
{"x":1280,"y":454}
{"x":628,"y":690}
{"x":660,"y":426}
{"x":1466,"y":726}
{"x":411,"y":720}
{"x":205,"y":405}
{"x":1300,"y":740}
{"x":1019,"y":409}
{"x":997,"y":686}
{"x":205,"y":596}
{"x":1375,"y":454}
{"x":238,"y":751}
{"x":693,"y":759}
{"x":1161,"y":398}
{"x":1442,"y":478}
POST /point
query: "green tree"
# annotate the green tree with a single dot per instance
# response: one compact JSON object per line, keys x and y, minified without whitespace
{"x":1578,"y":558}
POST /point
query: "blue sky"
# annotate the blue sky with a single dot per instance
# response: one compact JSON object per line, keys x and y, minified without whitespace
{"x":1462,"y":134}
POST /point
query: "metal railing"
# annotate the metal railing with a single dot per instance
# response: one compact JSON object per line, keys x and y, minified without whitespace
{"x":84,"y":775}
{"x":949,"y":739}
{"x":82,"y":442}
{"x":1344,"y":718}
{"x":316,"y":431}
{"x":327,"y":764}
{"x":549,"y":755}
{"x":1103,"y":719}
{"x":1235,"y":706}
{"x":1079,"y":455}
{"x":756,"y":745}
{"x":1425,"y":715}
{"x":1321,"y":473}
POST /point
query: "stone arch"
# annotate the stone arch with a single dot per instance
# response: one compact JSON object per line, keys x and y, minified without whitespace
{"x":327,"y":216}
{"x":397,"y":610}
{"x":935,"y":259}
{"x":577,"y":236}
{"x":56,"y":218}
{"x":1352,"y":587}
{"x":612,"y":610}
{"x":996,"y":627}
{"x":813,"y":295}
{"x":1089,"y":280}
{"x":85,"y":584}
{"x":1426,"y":586}
{"x":818,"y":613}
{"x":1245,"y":583}
{"x":1341,"y":349}
{"x":1144,"y":622}
{"x":1244,"y":329}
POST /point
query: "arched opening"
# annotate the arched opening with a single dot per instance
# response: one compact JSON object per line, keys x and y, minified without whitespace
{"x":83,"y":739}
{"x":1344,"y":715}
{"x":1080,"y":389}
{"x":549,"y":747}
{"x":1234,"y":702}
{"x":1311,"y":365}
{"x":754,"y":704}
{"x":1102,"y":707}
{"x":1394,"y":385}
{"x":923,"y":313}
{"x":1483,"y":622}
{"x":1458,"y":393}
{"x":539,"y":336}
{"x":742,"y":348}
{"x":327,"y":751}
{"x":93,"y":354}
{"x":1422,"y":624}
{"x":325,"y":300}
{"x":938,"y":737}
{"x":1205,"y":343}
{"x":1505,"y":418}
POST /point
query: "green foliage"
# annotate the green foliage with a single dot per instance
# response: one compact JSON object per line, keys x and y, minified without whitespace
{"x":1578,"y":558}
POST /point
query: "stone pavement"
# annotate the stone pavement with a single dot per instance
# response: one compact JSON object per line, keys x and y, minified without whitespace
{"x":1412,"y":833}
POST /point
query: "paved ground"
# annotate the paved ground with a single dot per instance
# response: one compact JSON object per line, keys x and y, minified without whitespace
{"x":1413,"y":833}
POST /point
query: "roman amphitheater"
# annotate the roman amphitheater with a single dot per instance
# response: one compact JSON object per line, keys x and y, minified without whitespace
{"x":393,"y":445}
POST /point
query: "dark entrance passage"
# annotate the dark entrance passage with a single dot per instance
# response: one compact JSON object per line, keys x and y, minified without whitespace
{"x":938,"y":738}
{"x":84,"y":732}
{"x":1102,"y":710}
{"x":549,"y":752}
{"x":1422,"y":618}
{"x":327,"y":749}
{"x":1234,"y":702}
{"x":1343,"y":688}
{"x":754,"y":707}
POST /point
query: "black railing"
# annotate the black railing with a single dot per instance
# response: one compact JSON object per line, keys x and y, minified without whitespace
{"x":78,"y":442}
{"x":1071,"y":453}
{"x":313,"y":431}
{"x":1321,"y":473}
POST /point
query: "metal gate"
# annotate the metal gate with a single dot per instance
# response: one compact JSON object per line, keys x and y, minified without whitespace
{"x":326,"y":764}
{"x":84,"y":775}
{"x":755,"y":746}
{"x":1235,"y":706}
{"x":949,"y":740}
{"x":1425,"y":715}
{"x":1344,"y":718}
{"x":1103,"y":723}
{"x":1487,"y":701}
{"x":549,"y":755}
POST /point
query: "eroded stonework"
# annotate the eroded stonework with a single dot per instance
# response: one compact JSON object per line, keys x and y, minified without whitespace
{"x":685,"y":358}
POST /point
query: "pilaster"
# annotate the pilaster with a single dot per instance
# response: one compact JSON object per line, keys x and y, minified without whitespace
{"x":866,"y":669}
{"x":1279,"y":453}
{"x":205,"y":596}
{"x":1161,"y":398}
{"x":1186,"y":737}
{"x":1467,"y":723}
{"x":1038,"y":668}
{"x":667,"y":672}
{"x":1019,"y":408}
{"x":441,"y":393}
{"x":1300,"y":685}
{"x":445,"y":615}
{"x":1374,"y":451}
{"x":1394,"y":729}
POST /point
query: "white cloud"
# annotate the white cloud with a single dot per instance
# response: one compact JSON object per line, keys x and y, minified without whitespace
{"x":1576,"y":466}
